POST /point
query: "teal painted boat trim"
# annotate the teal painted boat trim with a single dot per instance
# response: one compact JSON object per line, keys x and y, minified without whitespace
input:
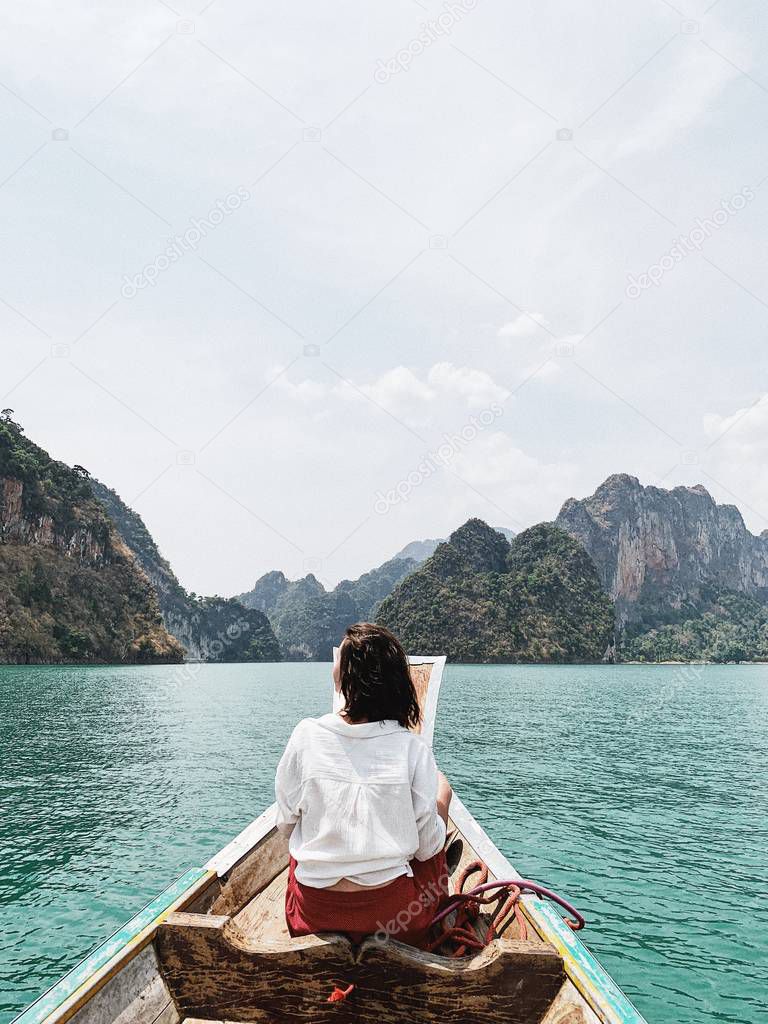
{"x":71,"y":982}
{"x":583,"y":966}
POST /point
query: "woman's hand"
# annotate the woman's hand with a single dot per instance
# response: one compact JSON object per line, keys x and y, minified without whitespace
{"x":444,"y":794}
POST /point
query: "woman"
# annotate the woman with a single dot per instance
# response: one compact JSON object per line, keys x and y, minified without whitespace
{"x":364,"y":803}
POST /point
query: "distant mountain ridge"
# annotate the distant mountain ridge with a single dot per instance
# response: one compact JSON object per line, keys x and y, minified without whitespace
{"x":420,"y":550}
{"x":308,"y":620}
{"x":82,"y":580}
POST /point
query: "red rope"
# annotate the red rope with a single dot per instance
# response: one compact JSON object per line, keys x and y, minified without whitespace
{"x":466,"y":907}
{"x":461,"y":932}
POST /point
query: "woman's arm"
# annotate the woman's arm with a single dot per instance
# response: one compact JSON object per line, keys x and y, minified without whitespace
{"x":444,"y":794}
{"x":287,"y":788}
{"x":427,"y":791}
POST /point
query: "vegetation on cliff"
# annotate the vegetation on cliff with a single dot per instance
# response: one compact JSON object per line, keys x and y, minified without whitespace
{"x":726,"y":627}
{"x":481,"y":599}
{"x":48,"y":488}
{"x":70,"y":590}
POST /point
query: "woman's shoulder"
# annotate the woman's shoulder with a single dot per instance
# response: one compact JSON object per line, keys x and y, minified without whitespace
{"x":419,"y":750}
{"x":332,"y":725}
{"x":304,"y":728}
{"x":313,"y":728}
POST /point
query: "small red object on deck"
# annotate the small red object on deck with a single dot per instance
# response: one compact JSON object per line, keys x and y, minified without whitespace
{"x":339,"y":994}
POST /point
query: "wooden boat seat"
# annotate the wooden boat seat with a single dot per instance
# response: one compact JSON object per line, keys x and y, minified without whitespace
{"x":215,"y":971}
{"x":237,"y":962}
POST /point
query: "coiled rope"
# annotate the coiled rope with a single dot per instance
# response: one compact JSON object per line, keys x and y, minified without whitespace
{"x":506,"y":895}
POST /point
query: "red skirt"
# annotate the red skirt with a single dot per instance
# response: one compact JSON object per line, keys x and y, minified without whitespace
{"x":402,"y":910}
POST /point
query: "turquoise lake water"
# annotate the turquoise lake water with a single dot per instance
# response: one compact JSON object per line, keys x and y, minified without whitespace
{"x":639,"y":792}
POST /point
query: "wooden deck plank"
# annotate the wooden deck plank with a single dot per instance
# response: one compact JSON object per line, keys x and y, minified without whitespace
{"x":263,"y":919}
{"x":569,"y":1008}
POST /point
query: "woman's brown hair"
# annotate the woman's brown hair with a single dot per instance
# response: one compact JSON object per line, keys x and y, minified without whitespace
{"x":374,"y":677}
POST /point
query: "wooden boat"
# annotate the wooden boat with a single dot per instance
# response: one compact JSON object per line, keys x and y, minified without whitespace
{"x":213,"y":948}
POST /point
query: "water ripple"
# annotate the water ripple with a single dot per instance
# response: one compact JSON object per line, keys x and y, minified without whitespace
{"x":643,"y":800}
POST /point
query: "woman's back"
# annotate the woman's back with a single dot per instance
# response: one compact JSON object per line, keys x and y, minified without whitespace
{"x":361,"y":798}
{"x":364,"y":803}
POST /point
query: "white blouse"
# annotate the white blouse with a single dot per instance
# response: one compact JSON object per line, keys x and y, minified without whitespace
{"x":361,"y":801}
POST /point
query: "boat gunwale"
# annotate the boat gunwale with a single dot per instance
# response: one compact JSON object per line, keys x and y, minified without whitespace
{"x":74,"y":989}
{"x":588,"y":975}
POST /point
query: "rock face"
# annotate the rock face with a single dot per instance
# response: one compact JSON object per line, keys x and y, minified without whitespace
{"x":481,"y":599}
{"x":70,"y":589}
{"x":308,"y":619}
{"x":657,"y":549}
{"x":208,"y":628}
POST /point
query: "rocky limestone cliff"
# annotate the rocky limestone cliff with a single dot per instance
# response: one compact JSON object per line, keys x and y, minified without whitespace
{"x":657,"y":549}
{"x":81,"y":535}
{"x":70,"y":589}
{"x":208,"y":628}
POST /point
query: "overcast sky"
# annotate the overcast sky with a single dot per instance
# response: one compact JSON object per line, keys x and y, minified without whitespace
{"x":506,"y":226}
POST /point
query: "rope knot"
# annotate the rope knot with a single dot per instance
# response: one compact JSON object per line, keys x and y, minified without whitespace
{"x":464,"y":908}
{"x":472,"y":909}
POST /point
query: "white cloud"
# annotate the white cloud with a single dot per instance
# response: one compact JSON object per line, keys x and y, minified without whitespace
{"x":306,"y":390}
{"x":523,"y":326}
{"x":399,"y":389}
{"x":513,"y":479}
{"x":476,"y":386}
{"x":540,"y":354}
{"x":683,"y":95}
{"x":744,"y":431}
{"x":494,"y":458}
